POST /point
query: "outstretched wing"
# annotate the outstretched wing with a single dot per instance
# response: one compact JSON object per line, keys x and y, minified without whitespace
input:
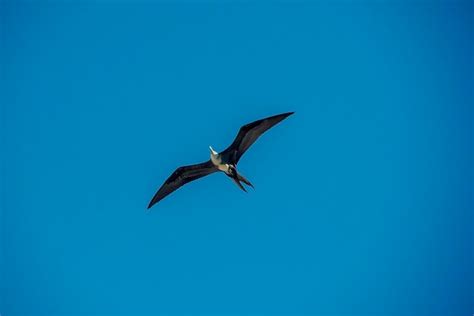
{"x":248,"y":134}
{"x":180,"y":177}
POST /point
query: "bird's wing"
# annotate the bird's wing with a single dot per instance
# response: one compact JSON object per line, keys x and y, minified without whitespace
{"x":180,"y":177}
{"x":248,"y":134}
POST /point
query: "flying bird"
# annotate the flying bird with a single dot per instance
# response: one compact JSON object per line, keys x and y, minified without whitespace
{"x":225,"y":161}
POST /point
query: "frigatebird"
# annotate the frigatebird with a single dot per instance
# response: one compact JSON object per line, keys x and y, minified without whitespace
{"x":225,"y":161}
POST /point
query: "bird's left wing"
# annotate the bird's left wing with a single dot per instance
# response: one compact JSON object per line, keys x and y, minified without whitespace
{"x":248,"y":134}
{"x":180,"y":177}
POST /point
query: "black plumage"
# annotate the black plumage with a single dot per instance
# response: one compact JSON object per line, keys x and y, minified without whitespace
{"x":248,"y":134}
{"x":181,"y":176}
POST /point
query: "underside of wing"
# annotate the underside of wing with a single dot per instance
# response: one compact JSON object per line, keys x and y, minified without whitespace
{"x":248,"y":134}
{"x":180,"y":177}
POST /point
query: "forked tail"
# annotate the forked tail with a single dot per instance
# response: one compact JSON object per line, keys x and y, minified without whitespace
{"x":244,"y":180}
{"x":239,"y":184}
{"x":237,"y":177}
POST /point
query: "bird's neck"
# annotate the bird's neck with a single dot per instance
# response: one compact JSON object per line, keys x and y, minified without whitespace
{"x":215,"y":157}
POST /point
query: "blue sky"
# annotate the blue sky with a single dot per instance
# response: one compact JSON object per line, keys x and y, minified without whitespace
{"x":363,"y":201}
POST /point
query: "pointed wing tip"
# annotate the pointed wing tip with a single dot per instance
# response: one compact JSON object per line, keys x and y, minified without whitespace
{"x":285,"y":115}
{"x":150,"y":205}
{"x":282,"y":116}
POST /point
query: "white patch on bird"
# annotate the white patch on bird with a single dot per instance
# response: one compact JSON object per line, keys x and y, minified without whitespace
{"x":217,"y":161}
{"x":215,"y":157}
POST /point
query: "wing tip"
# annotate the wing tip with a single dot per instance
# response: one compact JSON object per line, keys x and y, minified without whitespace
{"x":283,"y":115}
{"x":150,"y":205}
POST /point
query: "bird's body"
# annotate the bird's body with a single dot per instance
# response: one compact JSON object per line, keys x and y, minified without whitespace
{"x":216,"y":159}
{"x":225,"y":161}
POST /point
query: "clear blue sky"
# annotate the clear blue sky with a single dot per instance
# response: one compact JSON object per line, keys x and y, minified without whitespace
{"x":363,"y":201}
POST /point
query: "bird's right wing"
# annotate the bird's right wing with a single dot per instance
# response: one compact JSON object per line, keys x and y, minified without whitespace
{"x":180,"y":177}
{"x":248,"y":134}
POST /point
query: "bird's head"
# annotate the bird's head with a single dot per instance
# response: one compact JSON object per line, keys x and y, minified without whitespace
{"x":213,"y":152}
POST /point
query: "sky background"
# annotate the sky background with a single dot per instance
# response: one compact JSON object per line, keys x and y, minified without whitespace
{"x":363,"y":200}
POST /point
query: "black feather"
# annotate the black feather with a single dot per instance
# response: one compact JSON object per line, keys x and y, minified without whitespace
{"x":180,"y":177}
{"x":248,"y":134}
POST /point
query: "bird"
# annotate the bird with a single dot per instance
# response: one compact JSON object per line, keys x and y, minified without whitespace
{"x":225,"y":161}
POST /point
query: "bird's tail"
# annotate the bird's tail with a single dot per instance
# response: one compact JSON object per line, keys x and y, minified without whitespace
{"x":239,"y":184}
{"x":244,"y":180}
{"x":237,"y":178}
